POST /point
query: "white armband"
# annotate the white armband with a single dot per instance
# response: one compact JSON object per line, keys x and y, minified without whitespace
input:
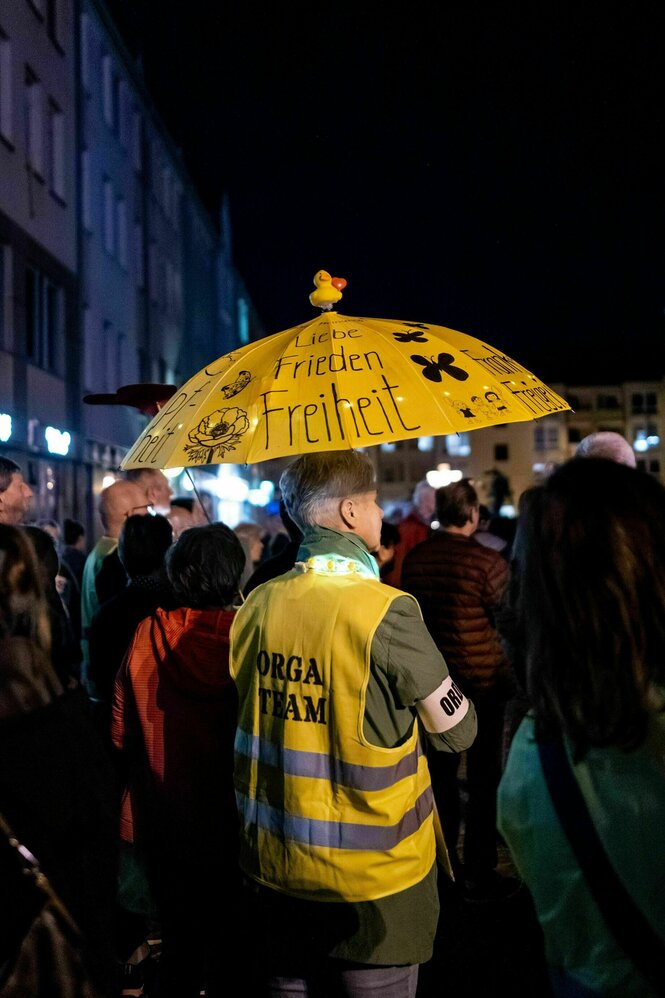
{"x":444,"y":708}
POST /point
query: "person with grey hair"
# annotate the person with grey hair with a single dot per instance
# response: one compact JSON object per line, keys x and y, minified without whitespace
{"x":414,"y":528}
{"x":607,"y":444}
{"x":337,"y":680}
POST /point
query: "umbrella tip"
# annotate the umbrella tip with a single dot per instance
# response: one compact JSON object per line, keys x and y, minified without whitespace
{"x":328,"y":290}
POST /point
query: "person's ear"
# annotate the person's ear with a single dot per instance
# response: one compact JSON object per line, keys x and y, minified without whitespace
{"x":347,"y":512}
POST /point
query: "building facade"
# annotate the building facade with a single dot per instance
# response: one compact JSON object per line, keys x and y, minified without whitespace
{"x":38,"y":247}
{"x":111,"y":270}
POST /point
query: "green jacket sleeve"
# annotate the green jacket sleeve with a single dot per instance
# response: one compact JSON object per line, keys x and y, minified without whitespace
{"x":404,"y":652}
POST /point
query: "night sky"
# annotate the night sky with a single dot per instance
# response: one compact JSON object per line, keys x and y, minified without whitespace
{"x":496,"y":169}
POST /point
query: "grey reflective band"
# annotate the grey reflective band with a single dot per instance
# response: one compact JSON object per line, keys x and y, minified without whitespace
{"x":334,"y":834}
{"x":318,"y":766}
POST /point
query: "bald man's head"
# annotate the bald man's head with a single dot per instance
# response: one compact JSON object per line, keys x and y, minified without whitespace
{"x":156,"y":487}
{"x":607,"y":444}
{"x":119,"y":501}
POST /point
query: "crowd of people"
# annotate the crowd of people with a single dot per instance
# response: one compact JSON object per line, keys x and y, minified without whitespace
{"x":230,"y":758}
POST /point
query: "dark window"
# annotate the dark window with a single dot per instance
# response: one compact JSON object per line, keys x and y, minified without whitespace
{"x":3,"y":250}
{"x":651,"y":403}
{"x":654,"y":467}
{"x":42,"y":319}
{"x":638,"y":402}
{"x":52,"y":20}
{"x":574,"y":435}
{"x":32,"y":313}
{"x":500,"y":452}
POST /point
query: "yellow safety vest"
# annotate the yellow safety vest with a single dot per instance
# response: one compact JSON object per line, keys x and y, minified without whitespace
{"x":324,"y":814}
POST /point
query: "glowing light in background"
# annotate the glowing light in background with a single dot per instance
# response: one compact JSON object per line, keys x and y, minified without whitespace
{"x":443,"y":476}
{"x":57,"y":441}
{"x":5,"y":427}
{"x":262,"y":495}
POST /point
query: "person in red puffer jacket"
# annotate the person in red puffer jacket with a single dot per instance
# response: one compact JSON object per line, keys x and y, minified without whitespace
{"x":174,"y":721}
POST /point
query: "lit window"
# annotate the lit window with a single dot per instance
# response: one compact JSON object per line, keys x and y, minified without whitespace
{"x":457,"y":444}
{"x":425,"y":443}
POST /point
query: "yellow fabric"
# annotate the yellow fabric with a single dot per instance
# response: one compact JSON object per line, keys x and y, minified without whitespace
{"x":315,"y":629}
{"x":339,"y":382}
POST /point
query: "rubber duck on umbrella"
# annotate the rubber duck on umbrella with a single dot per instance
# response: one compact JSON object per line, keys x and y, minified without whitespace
{"x":328,"y":290}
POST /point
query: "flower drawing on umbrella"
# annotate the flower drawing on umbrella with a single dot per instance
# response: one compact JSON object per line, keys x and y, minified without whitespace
{"x":432,"y":369}
{"x":216,"y":434}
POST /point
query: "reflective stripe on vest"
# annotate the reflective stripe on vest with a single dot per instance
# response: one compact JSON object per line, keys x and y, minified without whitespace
{"x":335,"y":834}
{"x":321,"y":767}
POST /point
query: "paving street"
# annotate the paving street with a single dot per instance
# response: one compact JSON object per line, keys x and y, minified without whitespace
{"x":486,"y":949}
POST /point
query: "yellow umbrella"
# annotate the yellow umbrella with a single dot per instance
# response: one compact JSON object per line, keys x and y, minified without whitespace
{"x":339,"y":381}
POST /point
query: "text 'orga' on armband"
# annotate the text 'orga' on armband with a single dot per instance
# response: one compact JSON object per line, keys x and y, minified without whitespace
{"x":444,"y":708}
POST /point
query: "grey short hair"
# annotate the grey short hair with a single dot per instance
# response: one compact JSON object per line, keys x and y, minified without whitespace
{"x":607,"y":444}
{"x":313,"y":480}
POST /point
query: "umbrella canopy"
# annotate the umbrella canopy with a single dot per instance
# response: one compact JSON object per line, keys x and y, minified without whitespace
{"x":336,"y":382}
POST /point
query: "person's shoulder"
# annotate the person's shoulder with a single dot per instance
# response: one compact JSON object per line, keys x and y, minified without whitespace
{"x":493,"y":558}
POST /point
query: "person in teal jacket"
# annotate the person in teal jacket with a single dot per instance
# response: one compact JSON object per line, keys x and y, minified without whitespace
{"x":591,"y":608}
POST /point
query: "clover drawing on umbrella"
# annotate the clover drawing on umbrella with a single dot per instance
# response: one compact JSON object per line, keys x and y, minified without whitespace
{"x":216,"y":434}
{"x":433,"y":369}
